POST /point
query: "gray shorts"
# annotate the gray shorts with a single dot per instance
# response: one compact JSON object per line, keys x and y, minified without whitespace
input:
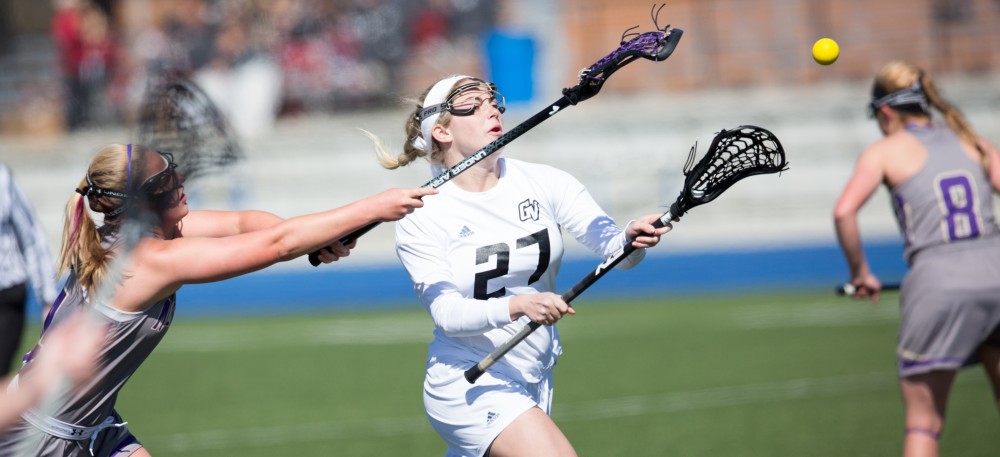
{"x":24,"y":439}
{"x":950,"y":306}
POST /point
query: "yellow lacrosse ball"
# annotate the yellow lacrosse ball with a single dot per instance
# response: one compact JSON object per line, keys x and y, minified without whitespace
{"x":825,"y":51}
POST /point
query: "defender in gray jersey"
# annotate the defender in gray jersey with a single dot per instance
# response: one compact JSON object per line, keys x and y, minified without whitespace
{"x":941,"y":176}
{"x":180,"y":247}
{"x":483,"y":257}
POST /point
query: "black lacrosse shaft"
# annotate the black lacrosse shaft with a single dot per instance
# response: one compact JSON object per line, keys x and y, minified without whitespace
{"x":848,"y":288}
{"x":472,"y":374}
{"x":468,"y":162}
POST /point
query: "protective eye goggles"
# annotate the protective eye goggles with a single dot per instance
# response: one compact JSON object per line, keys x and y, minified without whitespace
{"x":155,"y":186}
{"x":458,"y":105}
{"x":165,"y":181}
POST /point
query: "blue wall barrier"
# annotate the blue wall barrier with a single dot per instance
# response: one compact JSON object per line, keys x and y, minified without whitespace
{"x":341,"y":286}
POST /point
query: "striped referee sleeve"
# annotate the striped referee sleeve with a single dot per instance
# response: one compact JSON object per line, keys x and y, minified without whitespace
{"x":24,"y":251}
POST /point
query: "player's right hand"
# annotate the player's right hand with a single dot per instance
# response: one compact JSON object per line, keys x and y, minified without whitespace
{"x":545,"y":308}
{"x":866,"y":286}
{"x":395,"y":204}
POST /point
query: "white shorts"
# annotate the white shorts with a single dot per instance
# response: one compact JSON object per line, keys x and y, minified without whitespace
{"x":470,"y":416}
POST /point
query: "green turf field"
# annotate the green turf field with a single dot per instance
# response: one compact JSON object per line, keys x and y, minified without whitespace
{"x":776,"y":375}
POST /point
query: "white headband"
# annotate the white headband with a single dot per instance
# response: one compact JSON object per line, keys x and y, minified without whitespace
{"x":435,"y":96}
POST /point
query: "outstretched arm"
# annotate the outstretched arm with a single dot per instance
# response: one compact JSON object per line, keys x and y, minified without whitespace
{"x":215,"y":224}
{"x":291,"y":238}
{"x":160,"y":267}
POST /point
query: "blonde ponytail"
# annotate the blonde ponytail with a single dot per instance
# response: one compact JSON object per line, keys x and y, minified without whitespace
{"x":82,"y":250}
{"x":412,"y":130}
{"x":954,"y":118}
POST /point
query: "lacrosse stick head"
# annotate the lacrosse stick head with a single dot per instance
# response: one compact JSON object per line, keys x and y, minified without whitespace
{"x":734,"y":154}
{"x":177,"y":117}
{"x":656,"y":45}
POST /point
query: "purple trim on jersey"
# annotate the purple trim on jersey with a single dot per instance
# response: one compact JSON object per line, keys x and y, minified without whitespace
{"x":900,"y":206}
{"x":956,"y":362}
{"x":52,"y":309}
{"x":48,"y":320}
{"x":129,"y":440}
{"x":161,"y":320}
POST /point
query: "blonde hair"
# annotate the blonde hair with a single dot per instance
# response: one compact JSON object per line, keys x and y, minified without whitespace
{"x":898,"y":75}
{"x":412,"y":130}
{"x":82,"y":250}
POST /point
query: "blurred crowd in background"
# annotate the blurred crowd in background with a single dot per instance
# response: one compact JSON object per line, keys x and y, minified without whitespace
{"x":70,"y":64}
{"x":293,"y":56}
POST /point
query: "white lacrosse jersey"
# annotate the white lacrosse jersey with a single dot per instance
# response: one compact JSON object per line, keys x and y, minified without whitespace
{"x":467,"y":253}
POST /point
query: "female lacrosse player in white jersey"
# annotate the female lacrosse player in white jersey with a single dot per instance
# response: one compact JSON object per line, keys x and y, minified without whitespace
{"x":941,"y":176}
{"x":483,"y":257}
{"x":131,"y":183}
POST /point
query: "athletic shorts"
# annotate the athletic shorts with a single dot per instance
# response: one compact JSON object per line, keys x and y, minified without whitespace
{"x":116,"y":442}
{"x":950,"y":306}
{"x":470,"y":416}
{"x":110,"y":442}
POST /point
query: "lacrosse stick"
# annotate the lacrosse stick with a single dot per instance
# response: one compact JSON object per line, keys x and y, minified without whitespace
{"x":179,"y":118}
{"x":733,"y":155}
{"x":849,"y":289}
{"x":655,"y":46}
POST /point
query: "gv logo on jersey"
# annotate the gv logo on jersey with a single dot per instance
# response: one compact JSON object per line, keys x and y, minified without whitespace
{"x":528,"y":209}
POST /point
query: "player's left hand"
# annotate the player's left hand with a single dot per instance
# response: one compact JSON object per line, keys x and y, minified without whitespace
{"x":335,"y":251}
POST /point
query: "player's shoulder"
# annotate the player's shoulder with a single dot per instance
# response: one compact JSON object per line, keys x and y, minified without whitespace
{"x":899,"y":140}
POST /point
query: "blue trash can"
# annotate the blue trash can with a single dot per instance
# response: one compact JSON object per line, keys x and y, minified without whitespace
{"x":511,"y":64}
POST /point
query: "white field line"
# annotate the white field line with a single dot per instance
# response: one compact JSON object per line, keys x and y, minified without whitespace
{"x":673,"y":402}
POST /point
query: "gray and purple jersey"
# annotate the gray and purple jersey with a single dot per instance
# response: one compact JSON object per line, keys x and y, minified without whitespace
{"x":949,"y":200}
{"x":131,"y":338}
